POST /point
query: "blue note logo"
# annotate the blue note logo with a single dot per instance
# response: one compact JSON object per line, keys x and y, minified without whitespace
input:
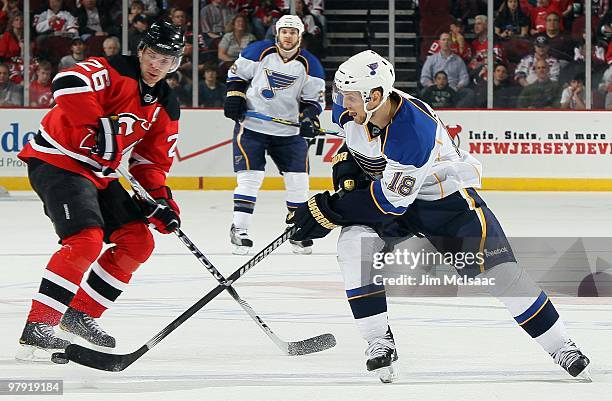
{"x":373,"y":68}
{"x":276,"y":81}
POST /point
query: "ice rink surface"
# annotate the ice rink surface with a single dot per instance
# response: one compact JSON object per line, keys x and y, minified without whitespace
{"x":449,"y":348}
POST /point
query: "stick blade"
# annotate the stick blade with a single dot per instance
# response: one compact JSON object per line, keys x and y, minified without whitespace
{"x":99,"y":360}
{"x":311,"y":345}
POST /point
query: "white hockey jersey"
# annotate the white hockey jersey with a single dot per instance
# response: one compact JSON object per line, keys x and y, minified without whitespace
{"x":413,"y":158}
{"x":277,"y":87}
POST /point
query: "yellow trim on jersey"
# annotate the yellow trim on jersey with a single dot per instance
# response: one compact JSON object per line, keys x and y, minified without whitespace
{"x":536,"y":312}
{"x":423,"y":111}
{"x":483,"y":223}
{"x":265,"y":52}
{"x":366,"y":295}
{"x":238,"y":138}
{"x":376,"y":202}
{"x":440,"y":184}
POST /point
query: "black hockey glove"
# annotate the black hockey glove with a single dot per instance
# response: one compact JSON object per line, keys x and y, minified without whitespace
{"x":108,"y":147}
{"x":309,"y":126}
{"x":164,"y":213}
{"x":315,"y":219}
{"x":346,"y":173}
{"x":235,"y":106}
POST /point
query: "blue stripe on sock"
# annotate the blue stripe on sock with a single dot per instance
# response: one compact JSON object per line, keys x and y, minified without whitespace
{"x":365,"y":290}
{"x":533,"y":309}
{"x":245,"y":198}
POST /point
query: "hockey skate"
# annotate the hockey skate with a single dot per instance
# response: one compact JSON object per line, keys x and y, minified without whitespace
{"x":86,"y":327}
{"x":570,"y":358}
{"x":38,"y":342}
{"x":241,"y":241}
{"x":301,"y":247}
{"x":381,"y":355}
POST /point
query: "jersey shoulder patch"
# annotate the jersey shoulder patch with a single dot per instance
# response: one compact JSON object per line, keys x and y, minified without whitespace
{"x":340,"y":115}
{"x":411,"y":136}
{"x":257,"y":50}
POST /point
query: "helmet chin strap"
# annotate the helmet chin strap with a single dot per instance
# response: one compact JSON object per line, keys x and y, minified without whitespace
{"x":288,"y":53}
{"x":369,"y":113}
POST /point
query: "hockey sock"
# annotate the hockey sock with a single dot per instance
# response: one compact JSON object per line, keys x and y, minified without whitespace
{"x":64,"y":272}
{"x":369,"y":306}
{"x":528,"y":304}
{"x":110,"y":275}
{"x":296,"y":185}
{"x":245,"y":196}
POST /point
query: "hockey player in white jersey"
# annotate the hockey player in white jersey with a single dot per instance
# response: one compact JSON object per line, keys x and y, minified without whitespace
{"x":400,"y":173}
{"x":279,"y":80}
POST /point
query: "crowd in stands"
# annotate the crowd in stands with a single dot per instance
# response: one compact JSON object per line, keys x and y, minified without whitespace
{"x":539,"y":46}
{"x":64,"y":32}
{"x":539,"y":50}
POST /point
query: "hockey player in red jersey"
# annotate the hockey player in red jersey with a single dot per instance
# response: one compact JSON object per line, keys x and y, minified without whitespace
{"x":108,"y":109}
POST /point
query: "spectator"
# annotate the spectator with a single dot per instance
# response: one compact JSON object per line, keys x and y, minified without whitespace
{"x":94,"y":21}
{"x":41,"y":94}
{"x":11,"y":41}
{"x":605,"y":88}
{"x":505,"y":91}
{"x":178,"y":16}
{"x":213,"y":19}
{"x":480,"y":45}
{"x":11,"y":94}
{"x":77,"y":53}
{"x":459,"y":46}
{"x":526,"y":70}
{"x":54,"y":21}
{"x":265,"y":16}
{"x":312,"y":40}
{"x":573,"y":97}
{"x":450,"y":63}
{"x":111,"y":46}
{"x":561,"y":45}
{"x":11,"y":7}
{"x":543,"y":93}
{"x":182,"y":91}
{"x":137,"y":32}
{"x":234,"y":42}
{"x":211,"y":92}
{"x":136,"y":8}
{"x":440,"y":94}
{"x":511,"y":22}
{"x":150,"y":8}
{"x":539,"y":14}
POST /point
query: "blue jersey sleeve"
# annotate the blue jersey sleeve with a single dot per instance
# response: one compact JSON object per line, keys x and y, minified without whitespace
{"x":254,"y":51}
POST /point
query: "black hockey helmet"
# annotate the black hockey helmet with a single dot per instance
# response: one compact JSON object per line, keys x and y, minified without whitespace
{"x":164,"y":38}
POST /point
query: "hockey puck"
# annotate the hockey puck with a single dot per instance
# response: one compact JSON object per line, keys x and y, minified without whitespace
{"x":59,"y":357}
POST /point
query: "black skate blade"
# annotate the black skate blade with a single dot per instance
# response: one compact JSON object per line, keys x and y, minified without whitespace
{"x":311,"y":345}
{"x":101,"y":360}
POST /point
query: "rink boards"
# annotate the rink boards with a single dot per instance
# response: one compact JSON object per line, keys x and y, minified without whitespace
{"x":520,"y":150}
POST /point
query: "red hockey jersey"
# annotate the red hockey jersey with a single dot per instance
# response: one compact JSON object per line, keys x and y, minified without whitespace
{"x":96,"y":87}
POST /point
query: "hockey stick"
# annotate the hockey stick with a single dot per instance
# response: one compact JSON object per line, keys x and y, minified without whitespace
{"x":303,"y":347}
{"x":118,"y":362}
{"x":264,"y":117}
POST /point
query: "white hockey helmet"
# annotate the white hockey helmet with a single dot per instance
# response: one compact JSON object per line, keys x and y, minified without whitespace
{"x":362,"y":73}
{"x":289,"y":21}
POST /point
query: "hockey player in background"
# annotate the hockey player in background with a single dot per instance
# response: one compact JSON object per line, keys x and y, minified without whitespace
{"x":279,"y":80}
{"x":400,"y":173}
{"x":106,"y":110}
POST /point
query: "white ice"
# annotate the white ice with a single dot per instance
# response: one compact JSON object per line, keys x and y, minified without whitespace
{"x":450,"y":348}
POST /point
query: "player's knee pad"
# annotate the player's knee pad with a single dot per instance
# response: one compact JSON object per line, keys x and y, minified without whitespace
{"x":133,"y":245}
{"x":356,"y":248}
{"x":296,"y":185}
{"x":511,"y":280}
{"x":249,"y":182}
{"x":81,"y":249}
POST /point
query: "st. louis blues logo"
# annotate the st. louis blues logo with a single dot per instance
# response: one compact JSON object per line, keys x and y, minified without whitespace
{"x":276,"y":81}
{"x":373,"y":68}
